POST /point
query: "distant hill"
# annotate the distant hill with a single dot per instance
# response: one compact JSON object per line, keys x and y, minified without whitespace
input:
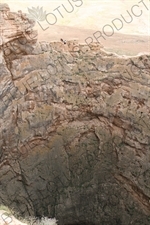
{"x":93,"y":14}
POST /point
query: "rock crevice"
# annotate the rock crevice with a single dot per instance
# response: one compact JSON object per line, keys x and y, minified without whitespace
{"x":74,"y":132}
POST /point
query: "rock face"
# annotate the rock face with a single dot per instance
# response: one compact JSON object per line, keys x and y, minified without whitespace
{"x":75,"y":134}
{"x":16,"y":34}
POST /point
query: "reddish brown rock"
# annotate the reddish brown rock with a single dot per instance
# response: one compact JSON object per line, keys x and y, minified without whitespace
{"x":75,"y":135}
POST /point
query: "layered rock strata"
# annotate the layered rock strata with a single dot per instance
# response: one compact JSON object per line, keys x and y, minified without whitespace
{"x":75,"y":134}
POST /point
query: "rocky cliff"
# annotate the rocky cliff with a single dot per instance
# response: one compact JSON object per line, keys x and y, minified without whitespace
{"x":74,"y":131}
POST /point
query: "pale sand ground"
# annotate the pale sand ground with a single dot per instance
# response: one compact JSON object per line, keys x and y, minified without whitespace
{"x":122,"y":44}
{"x":92,"y":16}
{"x":6,"y":218}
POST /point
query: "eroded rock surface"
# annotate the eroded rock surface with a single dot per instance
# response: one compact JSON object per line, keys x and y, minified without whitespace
{"x":17,"y":36}
{"x":75,"y":135}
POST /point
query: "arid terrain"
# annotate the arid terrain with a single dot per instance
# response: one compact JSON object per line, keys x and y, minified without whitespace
{"x":74,"y":119}
{"x":122,"y":44}
{"x":92,"y":16}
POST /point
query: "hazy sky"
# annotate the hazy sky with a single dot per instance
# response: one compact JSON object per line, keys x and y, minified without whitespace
{"x":92,"y":14}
